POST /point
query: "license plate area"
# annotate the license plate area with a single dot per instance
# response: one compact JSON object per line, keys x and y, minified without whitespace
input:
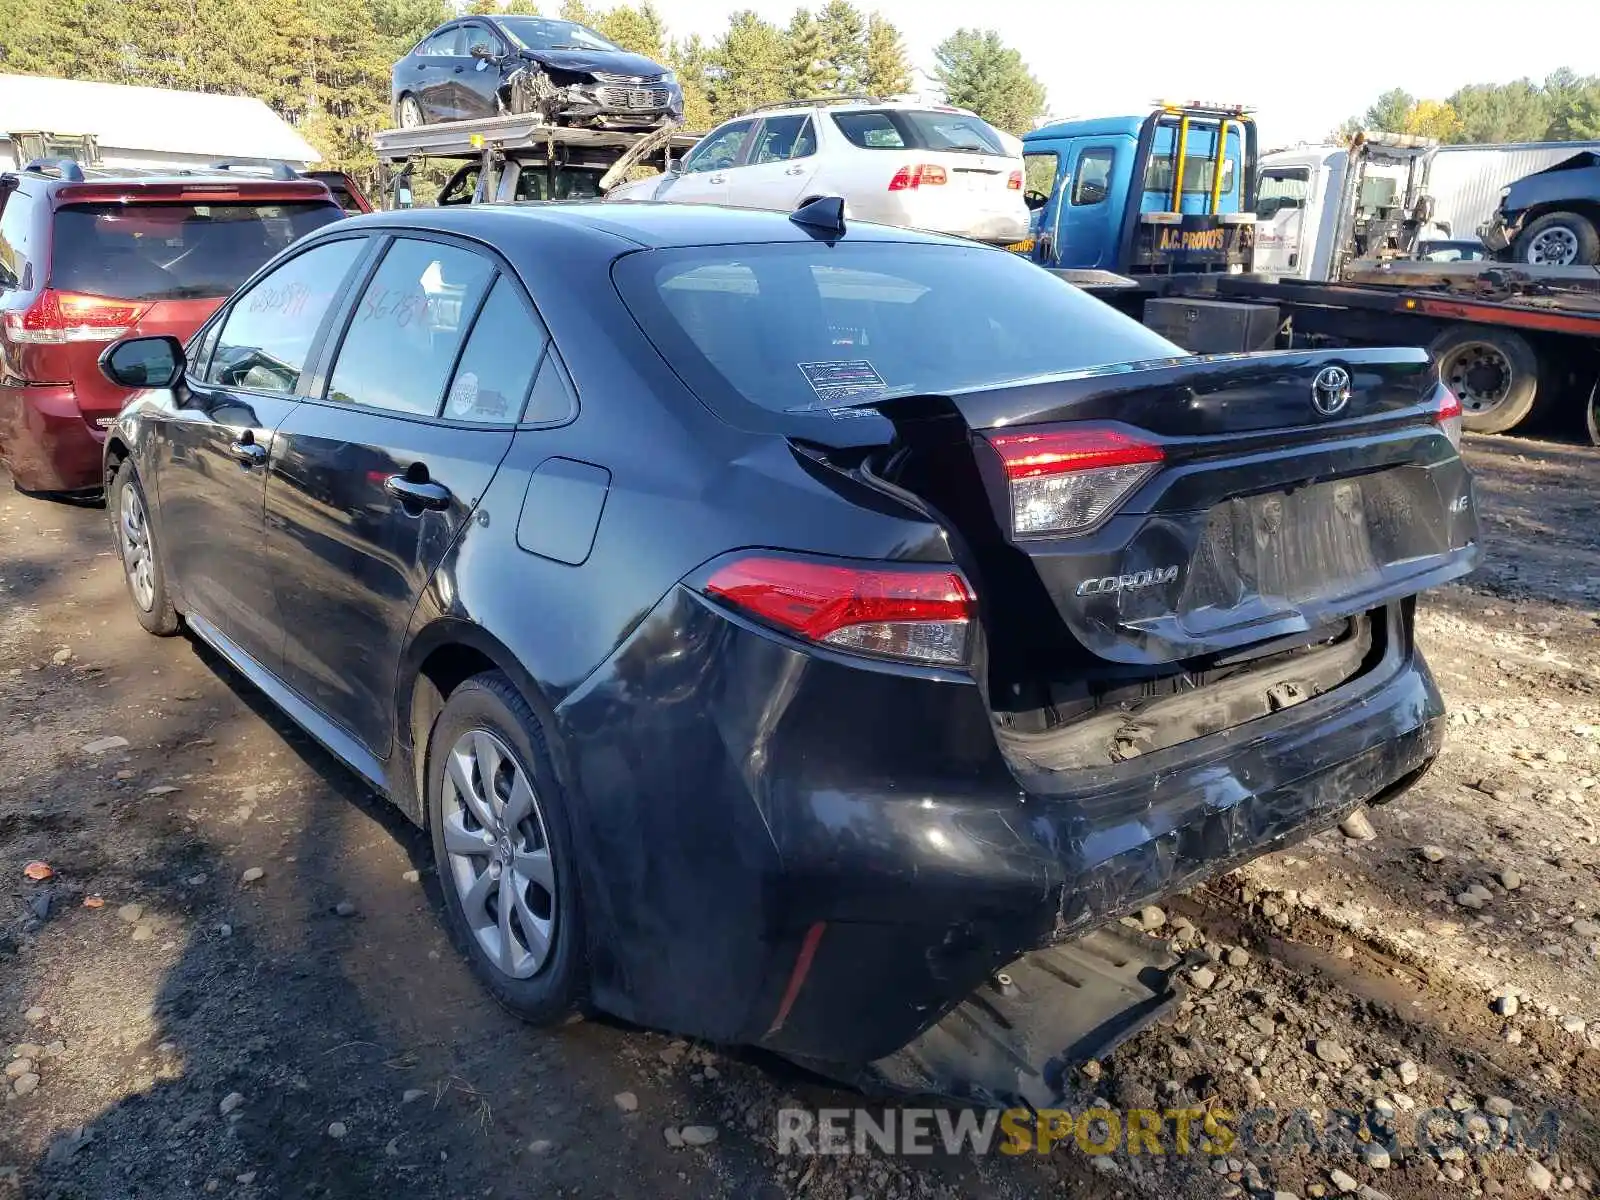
{"x":1314,"y":545}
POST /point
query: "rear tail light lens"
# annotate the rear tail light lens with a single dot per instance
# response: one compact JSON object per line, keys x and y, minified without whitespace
{"x":911,"y":614}
{"x":1447,"y":415}
{"x":922,"y":175}
{"x":56,"y":318}
{"x":1066,"y":481}
{"x":1014,"y":182}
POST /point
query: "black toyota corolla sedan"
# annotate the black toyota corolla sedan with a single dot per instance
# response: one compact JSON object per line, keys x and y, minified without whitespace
{"x":788,"y":630}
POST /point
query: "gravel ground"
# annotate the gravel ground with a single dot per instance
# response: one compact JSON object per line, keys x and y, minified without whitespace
{"x":236,"y":983}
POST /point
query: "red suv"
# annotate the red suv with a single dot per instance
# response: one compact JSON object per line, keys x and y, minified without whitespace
{"x":90,"y":256}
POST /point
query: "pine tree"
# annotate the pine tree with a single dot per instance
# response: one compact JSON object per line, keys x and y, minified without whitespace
{"x":808,"y":74}
{"x":887,"y":72}
{"x":752,"y":61}
{"x":692,"y":61}
{"x":982,"y":73}
{"x":577,"y":10}
{"x":844,"y":46}
{"x":640,"y":30}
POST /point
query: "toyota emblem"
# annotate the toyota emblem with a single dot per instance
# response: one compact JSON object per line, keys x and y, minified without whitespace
{"x":1330,"y":391}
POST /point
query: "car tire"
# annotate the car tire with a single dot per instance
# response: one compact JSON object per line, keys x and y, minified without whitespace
{"x":1563,"y":239}
{"x":135,"y":539}
{"x":1493,"y":372}
{"x":495,"y":900}
{"x":1591,"y":415}
{"x":408,"y":113}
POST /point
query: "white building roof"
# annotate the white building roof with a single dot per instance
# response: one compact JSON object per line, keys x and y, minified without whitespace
{"x":150,"y":119}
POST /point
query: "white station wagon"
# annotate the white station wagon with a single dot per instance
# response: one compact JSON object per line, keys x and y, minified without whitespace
{"x":928,"y":167}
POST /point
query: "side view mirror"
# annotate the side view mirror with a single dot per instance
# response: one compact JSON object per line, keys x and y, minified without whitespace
{"x":402,"y":197}
{"x":482,"y":50}
{"x":144,"y":362}
{"x":675,"y":167}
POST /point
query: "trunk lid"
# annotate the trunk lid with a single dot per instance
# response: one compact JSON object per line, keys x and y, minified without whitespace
{"x":1251,"y":497}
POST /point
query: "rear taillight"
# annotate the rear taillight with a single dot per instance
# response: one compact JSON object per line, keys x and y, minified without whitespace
{"x":913,"y":614}
{"x":1447,"y":414}
{"x":1066,"y":481}
{"x":919,"y":176}
{"x":1014,"y":181}
{"x":59,"y":317}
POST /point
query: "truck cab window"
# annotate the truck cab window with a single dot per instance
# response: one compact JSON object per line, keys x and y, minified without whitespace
{"x":1093,"y":182}
{"x":1039,"y":177}
{"x":1282,"y":188}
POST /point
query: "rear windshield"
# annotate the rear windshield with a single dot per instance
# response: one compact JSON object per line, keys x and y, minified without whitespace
{"x":917,"y":129}
{"x":810,"y":329}
{"x":173,"y":251}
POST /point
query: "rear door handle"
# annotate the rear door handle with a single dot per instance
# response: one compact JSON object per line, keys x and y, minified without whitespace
{"x":717,"y":179}
{"x":248,"y":453}
{"x":418,"y":495}
{"x":795,"y":171}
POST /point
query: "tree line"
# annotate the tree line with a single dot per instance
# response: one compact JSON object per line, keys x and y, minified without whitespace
{"x":1563,"y":108}
{"x":324,"y":65}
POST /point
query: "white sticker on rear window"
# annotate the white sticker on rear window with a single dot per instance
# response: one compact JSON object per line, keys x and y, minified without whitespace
{"x":843,"y":382}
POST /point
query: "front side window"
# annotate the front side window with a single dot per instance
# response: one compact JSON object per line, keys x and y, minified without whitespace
{"x":1093,"y":182}
{"x":783,"y":138}
{"x":270,"y":329}
{"x":407,"y":326}
{"x":1282,"y":188}
{"x":720,"y":149}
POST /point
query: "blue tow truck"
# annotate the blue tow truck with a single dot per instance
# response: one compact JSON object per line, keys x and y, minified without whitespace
{"x":1170,"y":192}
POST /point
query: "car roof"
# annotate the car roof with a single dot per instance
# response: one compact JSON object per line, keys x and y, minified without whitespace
{"x":632,"y":225}
{"x":863,"y":105}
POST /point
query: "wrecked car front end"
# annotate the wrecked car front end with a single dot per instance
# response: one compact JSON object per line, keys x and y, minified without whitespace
{"x":604,"y":99}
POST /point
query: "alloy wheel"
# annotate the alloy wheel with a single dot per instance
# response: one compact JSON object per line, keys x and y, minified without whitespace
{"x":1479,"y":374}
{"x":499,"y":853}
{"x":133,"y":534}
{"x":410,"y":113}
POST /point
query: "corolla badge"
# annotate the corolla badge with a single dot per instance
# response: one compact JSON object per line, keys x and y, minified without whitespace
{"x":1330,"y":391}
{"x":1127,"y":583}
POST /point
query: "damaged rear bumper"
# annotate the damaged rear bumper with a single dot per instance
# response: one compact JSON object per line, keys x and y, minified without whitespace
{"x":784,"y":849}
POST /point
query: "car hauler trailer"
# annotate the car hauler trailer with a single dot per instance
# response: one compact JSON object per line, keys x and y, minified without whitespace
{"x":511,"y":158}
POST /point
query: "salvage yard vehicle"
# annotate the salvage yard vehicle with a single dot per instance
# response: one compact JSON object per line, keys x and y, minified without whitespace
{"x":1551,"y":217}
{"x":920,"y":166}
{"x":776,"y":652}
{"x":89,"y":255}
{"x":1168,"y":191}
{"x":508,"y":64}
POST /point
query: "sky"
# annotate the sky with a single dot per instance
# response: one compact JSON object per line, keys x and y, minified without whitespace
{"x":1303,"y":65}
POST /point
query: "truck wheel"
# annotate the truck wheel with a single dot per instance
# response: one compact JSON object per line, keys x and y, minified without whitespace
{"x":1559,"y":239}
{"x":1494,"y":373}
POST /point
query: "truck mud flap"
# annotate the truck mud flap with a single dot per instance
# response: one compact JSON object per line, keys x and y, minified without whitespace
{"x":1014,"y":1041}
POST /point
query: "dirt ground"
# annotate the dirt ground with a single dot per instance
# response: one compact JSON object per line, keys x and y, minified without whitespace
{"x":172,"y":1026}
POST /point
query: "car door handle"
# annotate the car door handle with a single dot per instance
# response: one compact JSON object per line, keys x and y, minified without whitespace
{"x":458,"y":70}
{"x":426,"y":494}
{"x":717,"y":179}
{"x":795,"y":171}
{"x":247,"y":453}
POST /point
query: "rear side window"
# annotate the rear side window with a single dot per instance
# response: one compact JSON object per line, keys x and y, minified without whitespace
{"x":16,"y":239}
{"x":269,"y":331}
{"x":173,"y":251}
{"x":408,"y":326}
{"x":788,"y":329}
{"x":497,"y":367}
{"x":918,"y":129}
{"x":783,"y":138}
